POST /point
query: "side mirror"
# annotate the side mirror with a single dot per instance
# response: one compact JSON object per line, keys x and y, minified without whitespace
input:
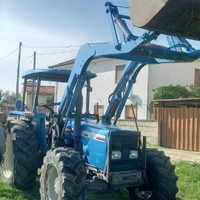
{"x":18,"y":105}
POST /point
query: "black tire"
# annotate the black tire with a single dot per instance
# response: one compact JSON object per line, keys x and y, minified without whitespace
{"x":21,"y":159}
{"x":63,"y":175}
{"x":161,"y":184}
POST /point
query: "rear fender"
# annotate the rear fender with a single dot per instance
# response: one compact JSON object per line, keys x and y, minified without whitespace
{"x":38,"y":120}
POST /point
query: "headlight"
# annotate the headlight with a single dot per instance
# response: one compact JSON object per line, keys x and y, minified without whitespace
{"x":133,"y":154}
{"x":116,"y":155}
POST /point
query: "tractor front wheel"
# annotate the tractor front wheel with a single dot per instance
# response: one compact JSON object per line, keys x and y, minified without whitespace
{"x":63,"y":175}
{"x":161,"y":179}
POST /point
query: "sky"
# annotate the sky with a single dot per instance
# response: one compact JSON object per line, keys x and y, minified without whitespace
{"x":46,"y":23}
{"x":55,"y":29}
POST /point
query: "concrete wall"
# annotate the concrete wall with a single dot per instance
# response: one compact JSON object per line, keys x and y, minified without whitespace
{"x":148,"y":128}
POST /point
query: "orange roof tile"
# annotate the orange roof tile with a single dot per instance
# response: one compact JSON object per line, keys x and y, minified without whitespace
{"x":43,"y":89}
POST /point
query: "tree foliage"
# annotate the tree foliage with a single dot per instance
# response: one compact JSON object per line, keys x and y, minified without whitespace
{"x":171,"y":92}
{"x":5,"y":94}
{"x":1,"y":94}
{"x":49,"y":99}
{"x":174,"y":92}
{"x":194,"y":92}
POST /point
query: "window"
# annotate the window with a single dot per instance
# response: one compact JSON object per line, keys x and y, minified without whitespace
{"x":129,"y":112}
{"x":197,"y":77}
{"x":118,"y":72}
{"x":98,"y":109}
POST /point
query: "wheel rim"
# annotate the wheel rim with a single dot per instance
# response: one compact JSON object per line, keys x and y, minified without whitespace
{"x":143,"y":195}
{"x":52,"y":183}
{"x":7,"y":164}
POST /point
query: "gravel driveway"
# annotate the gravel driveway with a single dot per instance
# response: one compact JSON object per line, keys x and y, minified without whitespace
{"x":177,"y":155}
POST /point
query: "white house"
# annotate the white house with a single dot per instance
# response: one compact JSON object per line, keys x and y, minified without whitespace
{"x":150,"y":77}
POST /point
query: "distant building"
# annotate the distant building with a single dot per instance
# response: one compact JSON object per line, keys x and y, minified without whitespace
{"x":7,"y":104}
{"x":44,"y":92}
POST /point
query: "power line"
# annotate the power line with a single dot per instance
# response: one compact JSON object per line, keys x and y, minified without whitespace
{"x":56,"y":52}
{"x":9,"y":54}
{"x":22,"y":68}
{"x":10,"y":79}
{"x":7,"y":67}
{"x":26,"y":58}
{"x":51,"y":46}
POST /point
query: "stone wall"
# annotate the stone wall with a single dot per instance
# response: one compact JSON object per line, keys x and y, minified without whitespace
{"x":148,"y":128}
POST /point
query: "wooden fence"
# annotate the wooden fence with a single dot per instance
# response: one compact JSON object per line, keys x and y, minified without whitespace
{"x":179,"y":128}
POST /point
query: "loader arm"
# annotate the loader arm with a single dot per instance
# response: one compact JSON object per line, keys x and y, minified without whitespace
{"x":122,"y":91}
{"x":125,"y":46}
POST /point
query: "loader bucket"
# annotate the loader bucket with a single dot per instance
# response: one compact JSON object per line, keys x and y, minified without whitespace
{"x":171,"y":17}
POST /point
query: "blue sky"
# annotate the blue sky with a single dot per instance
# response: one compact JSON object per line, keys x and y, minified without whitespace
{"x":42,"y":23}
{"x":45,"y":23}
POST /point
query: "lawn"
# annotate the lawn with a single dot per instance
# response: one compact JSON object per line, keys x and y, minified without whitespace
{"x":188,"y":184}
{"x":189,"y":180}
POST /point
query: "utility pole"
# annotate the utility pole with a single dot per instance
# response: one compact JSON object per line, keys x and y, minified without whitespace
{"x":18,"y":69}
{"x":34,"y":59}
{"x":33,"y":84}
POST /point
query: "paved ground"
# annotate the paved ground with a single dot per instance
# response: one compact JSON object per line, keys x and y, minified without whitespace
{"x":177,"y":155}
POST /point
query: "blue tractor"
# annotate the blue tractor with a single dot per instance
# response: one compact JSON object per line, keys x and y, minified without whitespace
{"x":81,"y":152}
{"x":28,"y":138}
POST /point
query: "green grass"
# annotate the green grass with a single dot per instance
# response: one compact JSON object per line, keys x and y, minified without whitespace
{"x":7,"y":193}
{"x":122,"y":195}
{"x":188,"y":184}
{"x":188,"y":180}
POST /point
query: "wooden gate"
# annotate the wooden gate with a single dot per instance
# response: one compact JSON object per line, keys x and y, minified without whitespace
{"x":180,"y":127}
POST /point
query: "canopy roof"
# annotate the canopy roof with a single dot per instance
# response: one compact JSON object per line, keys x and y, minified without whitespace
{"x":56,"y":75}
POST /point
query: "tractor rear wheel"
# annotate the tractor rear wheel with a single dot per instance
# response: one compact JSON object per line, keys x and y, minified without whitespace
{"x":161,"y":179}
{"x":63,"y":175}
{"x":21,"y":159}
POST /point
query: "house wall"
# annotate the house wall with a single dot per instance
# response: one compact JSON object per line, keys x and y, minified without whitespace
{"x":6,"y":107}
{"x":41,"y":100}
{"x":174,"y":73}
{"x":150,"y":78}
{"x":104,"y":84}
{"x":28,"y":101}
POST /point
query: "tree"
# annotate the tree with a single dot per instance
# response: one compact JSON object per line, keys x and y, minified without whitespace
{"x":194,"y":91}
{"x":49,"y":99}
{"x":173,"y":92}
{"x":5,"y":94}
{"x":1,"y":94}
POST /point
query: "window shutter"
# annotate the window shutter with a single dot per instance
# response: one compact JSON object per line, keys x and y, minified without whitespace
{"x":197,"y":78}
{"x":129,"y":112}
{"x":118,"y":72}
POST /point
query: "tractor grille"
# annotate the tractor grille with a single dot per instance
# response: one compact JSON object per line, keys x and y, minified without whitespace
{"x":124,"y":142}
